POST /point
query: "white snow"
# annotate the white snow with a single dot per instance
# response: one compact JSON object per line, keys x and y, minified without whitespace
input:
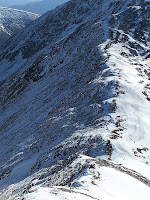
{"x":102,"y":183}
{"x":133,"y":109}
{"x":130,"y":119}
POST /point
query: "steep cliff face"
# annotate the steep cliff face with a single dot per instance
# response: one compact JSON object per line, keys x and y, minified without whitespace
{"x":75,"y":103}
{"x":12,"y":21}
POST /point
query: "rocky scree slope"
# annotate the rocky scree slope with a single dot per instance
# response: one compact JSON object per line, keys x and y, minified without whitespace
{"x":12,"y":21}
{"x":76,"y":82}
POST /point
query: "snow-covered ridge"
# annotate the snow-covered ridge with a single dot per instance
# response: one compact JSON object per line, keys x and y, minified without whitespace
{"x":75,"y":104}
{"x":13,"y":20}
{"x":17,"y":10}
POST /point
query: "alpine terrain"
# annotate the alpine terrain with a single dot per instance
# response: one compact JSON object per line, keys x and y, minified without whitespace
{"x":75,"y":104}
{"x":12,"y":20}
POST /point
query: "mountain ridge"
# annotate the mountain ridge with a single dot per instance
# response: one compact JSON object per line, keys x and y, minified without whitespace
{"x":13,"y":20}
{"x":79,"y":105}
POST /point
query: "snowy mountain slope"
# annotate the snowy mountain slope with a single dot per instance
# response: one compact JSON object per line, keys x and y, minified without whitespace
{"x":40,"y":7}
{"x":97,"y":182}
{"x":11,"y":21}
{"x":129,"y":56}
{"x":76,"y":82}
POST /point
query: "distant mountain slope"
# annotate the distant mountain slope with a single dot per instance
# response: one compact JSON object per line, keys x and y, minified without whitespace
{"x":40,"y":7}
{"x":7,"y":3}
{"x":12,"y":20}
{"x":75,"y":104}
